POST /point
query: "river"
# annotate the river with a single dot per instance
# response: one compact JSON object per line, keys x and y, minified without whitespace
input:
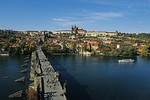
{"x":11,"y":66}
{"x":103,"y":78}
{"x":88,"y":78}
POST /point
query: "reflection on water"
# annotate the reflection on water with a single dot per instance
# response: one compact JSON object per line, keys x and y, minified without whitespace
{"x":103,"y":78}
{"x":145,"y":59}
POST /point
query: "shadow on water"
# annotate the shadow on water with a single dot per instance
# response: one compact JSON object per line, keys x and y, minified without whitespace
{"x":146,"y":59}
{"x":75,"y":91}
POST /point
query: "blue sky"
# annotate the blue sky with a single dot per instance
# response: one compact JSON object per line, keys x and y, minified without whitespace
{"x":101,"y":15}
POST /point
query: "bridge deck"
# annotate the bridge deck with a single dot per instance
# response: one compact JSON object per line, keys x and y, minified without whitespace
{"x":52,"y":87}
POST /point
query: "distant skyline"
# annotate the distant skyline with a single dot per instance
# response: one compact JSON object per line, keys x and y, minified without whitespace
{"x":130,"y":16}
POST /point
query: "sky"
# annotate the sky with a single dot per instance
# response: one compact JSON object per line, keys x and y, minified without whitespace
{"x":130,"y":16}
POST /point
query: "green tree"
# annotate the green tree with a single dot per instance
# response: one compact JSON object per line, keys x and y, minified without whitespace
{"x":124,"y":51}
{"x":145,"y":50}
{"x":73,"y":45}
{"x":65,"y":49}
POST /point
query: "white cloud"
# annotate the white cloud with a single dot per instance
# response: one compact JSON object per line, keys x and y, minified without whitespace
{"x":85,"y":17}
{"x":104,"y":15}
{"x":95,"y":16}
{"x":138,"y":23}
{"x":69,"y":23}
{"x":59,"y":19}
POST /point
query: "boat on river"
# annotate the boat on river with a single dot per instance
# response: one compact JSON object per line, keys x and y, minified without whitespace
{"x":4,"y":53}
{"x":126,"y":60}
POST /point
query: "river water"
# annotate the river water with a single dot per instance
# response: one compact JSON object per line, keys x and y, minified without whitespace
{"x":103,"y":78}
{"x":88,"y":78}
{"x":11,"y":66}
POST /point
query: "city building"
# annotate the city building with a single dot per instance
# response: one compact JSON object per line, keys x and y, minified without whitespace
{"x":62,"y":32}
{"x":100,"y":33}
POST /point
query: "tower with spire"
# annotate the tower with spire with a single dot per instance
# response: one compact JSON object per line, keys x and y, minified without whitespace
{"x":74,"y":29}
